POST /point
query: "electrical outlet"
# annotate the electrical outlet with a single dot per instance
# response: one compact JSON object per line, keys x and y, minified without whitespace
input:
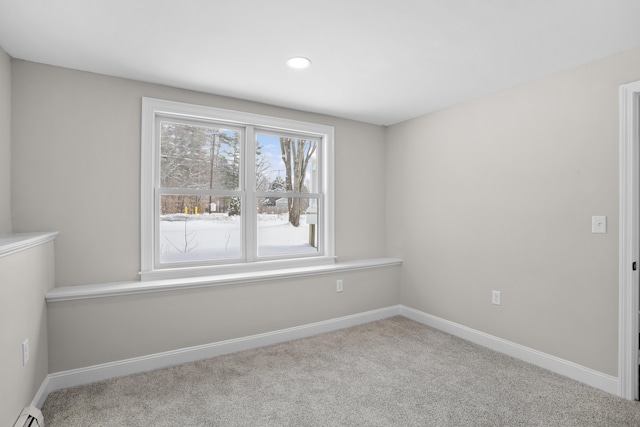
{"x":25,"y":352}
{"x":339,"y":287}
{"x":496,"y":297}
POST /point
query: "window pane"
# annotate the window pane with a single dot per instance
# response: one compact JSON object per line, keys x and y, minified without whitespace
{"x":188,"y":234}
{"x":287,"y":226}
{"x":202,"y":157}
{"x":286,"y":164}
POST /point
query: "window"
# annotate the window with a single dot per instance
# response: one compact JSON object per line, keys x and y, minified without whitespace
{"x":231,"y":192}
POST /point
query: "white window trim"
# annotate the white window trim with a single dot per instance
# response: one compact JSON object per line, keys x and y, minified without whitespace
{"x":153,"y":107}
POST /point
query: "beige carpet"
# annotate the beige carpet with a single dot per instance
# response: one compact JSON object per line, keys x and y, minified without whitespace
{"x":393,"y":372}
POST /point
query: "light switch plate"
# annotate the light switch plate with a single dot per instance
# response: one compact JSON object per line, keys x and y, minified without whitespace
{"x":598,"y":224}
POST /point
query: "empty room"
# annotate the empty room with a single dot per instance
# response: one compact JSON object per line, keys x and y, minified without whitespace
{"x":374,"y":213}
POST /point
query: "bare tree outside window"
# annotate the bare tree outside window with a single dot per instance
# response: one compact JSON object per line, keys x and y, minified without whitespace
{"x":296,"y":154}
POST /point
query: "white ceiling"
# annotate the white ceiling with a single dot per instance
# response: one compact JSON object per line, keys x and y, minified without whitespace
{"x":377,"y":61}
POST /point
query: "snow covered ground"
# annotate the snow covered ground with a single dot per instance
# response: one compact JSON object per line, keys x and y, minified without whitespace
{"x":205,"y":237}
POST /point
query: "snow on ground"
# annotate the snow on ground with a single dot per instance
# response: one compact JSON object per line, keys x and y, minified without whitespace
{"x":205,"y":237}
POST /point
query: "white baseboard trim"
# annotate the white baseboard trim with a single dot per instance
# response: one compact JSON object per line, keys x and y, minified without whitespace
{"x":91,"y":374}
{"x":42,"y":393}
{"x":555,"y":364}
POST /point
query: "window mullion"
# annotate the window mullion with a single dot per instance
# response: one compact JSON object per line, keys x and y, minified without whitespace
{"x":199,"y":192}
{"x":286,"y":194}
{"x":249,"y":210}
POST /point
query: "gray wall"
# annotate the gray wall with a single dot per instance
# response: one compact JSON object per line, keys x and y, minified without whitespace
{"x":5,"y":143}
{"x":83,"y":180}
{"x":77,"y":169}
{"x":25,"y":277}
{"x":498,"y":193}
{"x":88,"y":332}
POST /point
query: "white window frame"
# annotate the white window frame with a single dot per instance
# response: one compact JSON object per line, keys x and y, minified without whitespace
{"x":149,"y":192}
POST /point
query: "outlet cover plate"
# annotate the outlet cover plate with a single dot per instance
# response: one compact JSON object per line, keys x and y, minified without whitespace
{"x":25,"y":352}
{"x":496,"y":297}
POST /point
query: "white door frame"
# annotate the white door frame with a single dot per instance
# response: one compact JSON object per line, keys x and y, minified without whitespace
{"x":629,"y":240}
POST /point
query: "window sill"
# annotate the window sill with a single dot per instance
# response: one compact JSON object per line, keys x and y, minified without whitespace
{"x":68,"y":293}
{"x":12,"y":243}
{"x":231,"y":269}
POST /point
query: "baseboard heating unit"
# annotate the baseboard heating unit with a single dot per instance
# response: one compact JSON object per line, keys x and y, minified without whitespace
{"x":30,"y":417}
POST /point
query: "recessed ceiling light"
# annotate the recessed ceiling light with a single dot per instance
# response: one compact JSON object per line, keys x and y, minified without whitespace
{"x":298,"y":62}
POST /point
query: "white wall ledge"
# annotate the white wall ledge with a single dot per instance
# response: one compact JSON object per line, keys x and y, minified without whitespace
{"x":12,"y":243}
{"x":103,"y":290}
